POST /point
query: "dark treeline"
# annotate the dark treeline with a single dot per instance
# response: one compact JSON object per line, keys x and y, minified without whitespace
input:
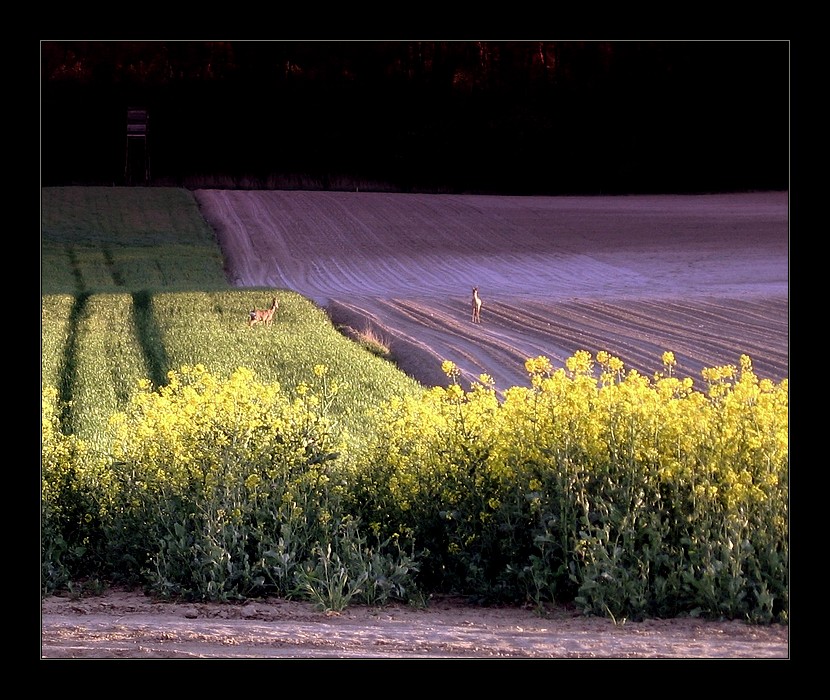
{"x":512,"y":117}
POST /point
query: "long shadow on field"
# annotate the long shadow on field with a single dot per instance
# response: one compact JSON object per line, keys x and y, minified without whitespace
{"x":76,"y":269}
{"x":117,"y":277}
{"x":149,"y":336}
{"x":70,"y":362}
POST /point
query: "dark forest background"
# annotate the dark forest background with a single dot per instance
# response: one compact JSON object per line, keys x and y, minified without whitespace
{"x":527,"y":117}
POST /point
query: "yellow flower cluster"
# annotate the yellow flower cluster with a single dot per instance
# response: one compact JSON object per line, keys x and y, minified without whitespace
{"x":198,"y":429}
{"x":60,"y":454}
{"x":734,"y":446}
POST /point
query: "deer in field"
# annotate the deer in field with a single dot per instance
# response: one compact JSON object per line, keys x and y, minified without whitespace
{"x":265,"y":316}
{"x":476,"y":306}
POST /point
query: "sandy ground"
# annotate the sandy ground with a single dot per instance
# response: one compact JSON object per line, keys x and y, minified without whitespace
{"x":706,"y":277}
{"x":703,"y":276}
{"x":129,"y":625}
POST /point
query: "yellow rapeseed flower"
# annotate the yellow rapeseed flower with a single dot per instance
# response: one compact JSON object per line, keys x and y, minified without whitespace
{"x":580,"y":362}
{"x":448,"y":367}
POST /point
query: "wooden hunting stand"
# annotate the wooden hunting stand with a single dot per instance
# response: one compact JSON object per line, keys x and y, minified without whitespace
{"x":137,"y":156}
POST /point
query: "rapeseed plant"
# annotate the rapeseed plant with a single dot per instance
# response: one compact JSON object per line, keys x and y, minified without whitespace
{"x":627,"y":495}
{"x":610,"y":491}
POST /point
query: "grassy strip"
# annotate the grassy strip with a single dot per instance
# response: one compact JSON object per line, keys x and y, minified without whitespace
{"x":133,"y":288}
{"x":111,"y":239}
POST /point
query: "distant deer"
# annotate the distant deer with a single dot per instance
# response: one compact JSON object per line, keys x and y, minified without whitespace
{"x":476,"y":306}
{"x":265,"y":316}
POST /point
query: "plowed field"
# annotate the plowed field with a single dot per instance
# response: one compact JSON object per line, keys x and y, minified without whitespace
{"x":705,"y":276}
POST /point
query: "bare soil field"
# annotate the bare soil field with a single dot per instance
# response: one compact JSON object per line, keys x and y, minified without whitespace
{"x":706,"y":277}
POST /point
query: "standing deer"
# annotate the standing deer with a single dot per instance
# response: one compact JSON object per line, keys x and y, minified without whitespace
{"x":265,"y":316}
{"x":476,"y":306}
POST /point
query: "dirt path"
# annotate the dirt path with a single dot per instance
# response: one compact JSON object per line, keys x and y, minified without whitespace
{"x":129,"y":625}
